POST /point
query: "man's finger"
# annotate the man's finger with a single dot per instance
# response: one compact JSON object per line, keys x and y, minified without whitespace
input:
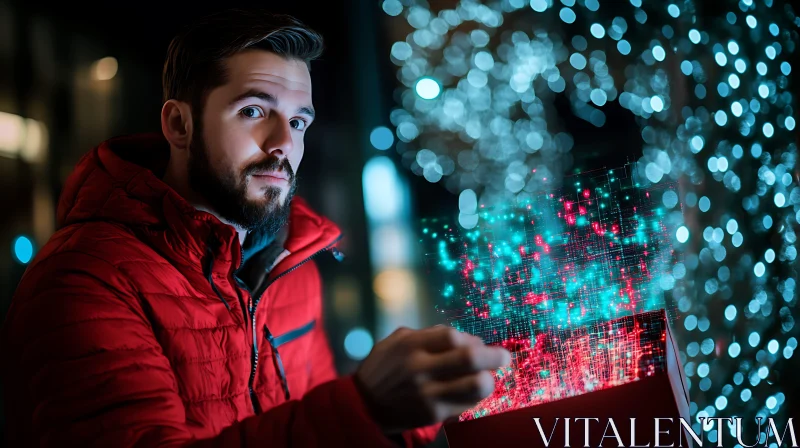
{"x":464,"y":360}
{"x":442,"y":338}
{"x":466,"y":390}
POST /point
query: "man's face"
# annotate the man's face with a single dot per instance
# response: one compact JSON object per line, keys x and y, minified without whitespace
{"x":244,"y":156}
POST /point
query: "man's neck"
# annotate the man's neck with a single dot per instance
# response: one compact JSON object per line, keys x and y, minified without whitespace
{"x":178,"y":180}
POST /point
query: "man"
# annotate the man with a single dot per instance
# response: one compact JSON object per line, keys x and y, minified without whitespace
{"x":178,"y":302}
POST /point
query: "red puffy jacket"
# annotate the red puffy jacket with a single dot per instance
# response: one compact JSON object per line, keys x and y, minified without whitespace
{"x":130,"y":329}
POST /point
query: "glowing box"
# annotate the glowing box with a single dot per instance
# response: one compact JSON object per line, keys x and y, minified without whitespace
{"x":619,"y":369}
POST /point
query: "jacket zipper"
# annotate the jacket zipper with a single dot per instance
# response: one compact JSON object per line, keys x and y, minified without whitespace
{"x":254,"y":306}
{"x":254,"y":354}
{"x":254,"y":351}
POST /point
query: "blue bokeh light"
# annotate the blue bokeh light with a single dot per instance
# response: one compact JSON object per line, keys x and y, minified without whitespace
{"x":358,"y":343}
{"x":23,"y":249}
{"x":381,"y":138}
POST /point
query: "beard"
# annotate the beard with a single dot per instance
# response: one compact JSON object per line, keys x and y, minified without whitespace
{"x":226,"y":190}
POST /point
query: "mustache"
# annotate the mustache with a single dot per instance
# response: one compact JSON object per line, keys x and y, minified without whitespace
{"x":271,"y":164}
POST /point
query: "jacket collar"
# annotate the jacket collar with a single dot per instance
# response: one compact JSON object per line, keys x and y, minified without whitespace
{"x":120,"y":182}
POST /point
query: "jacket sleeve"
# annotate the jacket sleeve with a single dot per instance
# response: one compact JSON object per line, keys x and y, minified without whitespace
{"x":93,"y":374}
{"x":324,"y":369}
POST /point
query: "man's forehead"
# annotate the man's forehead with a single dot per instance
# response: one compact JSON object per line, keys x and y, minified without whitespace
{"x":256,"y":66}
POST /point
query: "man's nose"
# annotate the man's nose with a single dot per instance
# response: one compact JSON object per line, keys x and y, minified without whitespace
{"x":279,"y":137}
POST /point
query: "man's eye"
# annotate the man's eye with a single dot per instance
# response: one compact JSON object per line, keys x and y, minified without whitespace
{"x":252,"y":112}
{"x":298,"y":124}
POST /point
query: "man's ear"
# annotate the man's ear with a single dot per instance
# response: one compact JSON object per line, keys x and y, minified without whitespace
{"x":176,"y":123}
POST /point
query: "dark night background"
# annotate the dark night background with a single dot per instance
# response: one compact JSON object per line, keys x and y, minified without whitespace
{"x":46,"y":49}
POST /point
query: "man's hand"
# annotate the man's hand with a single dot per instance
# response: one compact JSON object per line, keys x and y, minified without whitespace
{"x":415,"y":378}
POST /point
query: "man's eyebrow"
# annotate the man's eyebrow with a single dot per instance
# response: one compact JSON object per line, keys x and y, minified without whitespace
{"x":253,"y":93}
{"x":308,"y":111}
{"x":267,"y":98}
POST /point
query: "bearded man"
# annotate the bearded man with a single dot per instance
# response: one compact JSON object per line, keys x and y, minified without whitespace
{"x":179,"y":304}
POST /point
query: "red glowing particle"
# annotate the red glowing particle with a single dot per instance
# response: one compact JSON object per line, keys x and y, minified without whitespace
{"x":534,"y":299}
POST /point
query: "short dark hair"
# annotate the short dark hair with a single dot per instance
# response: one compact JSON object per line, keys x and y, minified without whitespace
{"x":196,"y":57}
